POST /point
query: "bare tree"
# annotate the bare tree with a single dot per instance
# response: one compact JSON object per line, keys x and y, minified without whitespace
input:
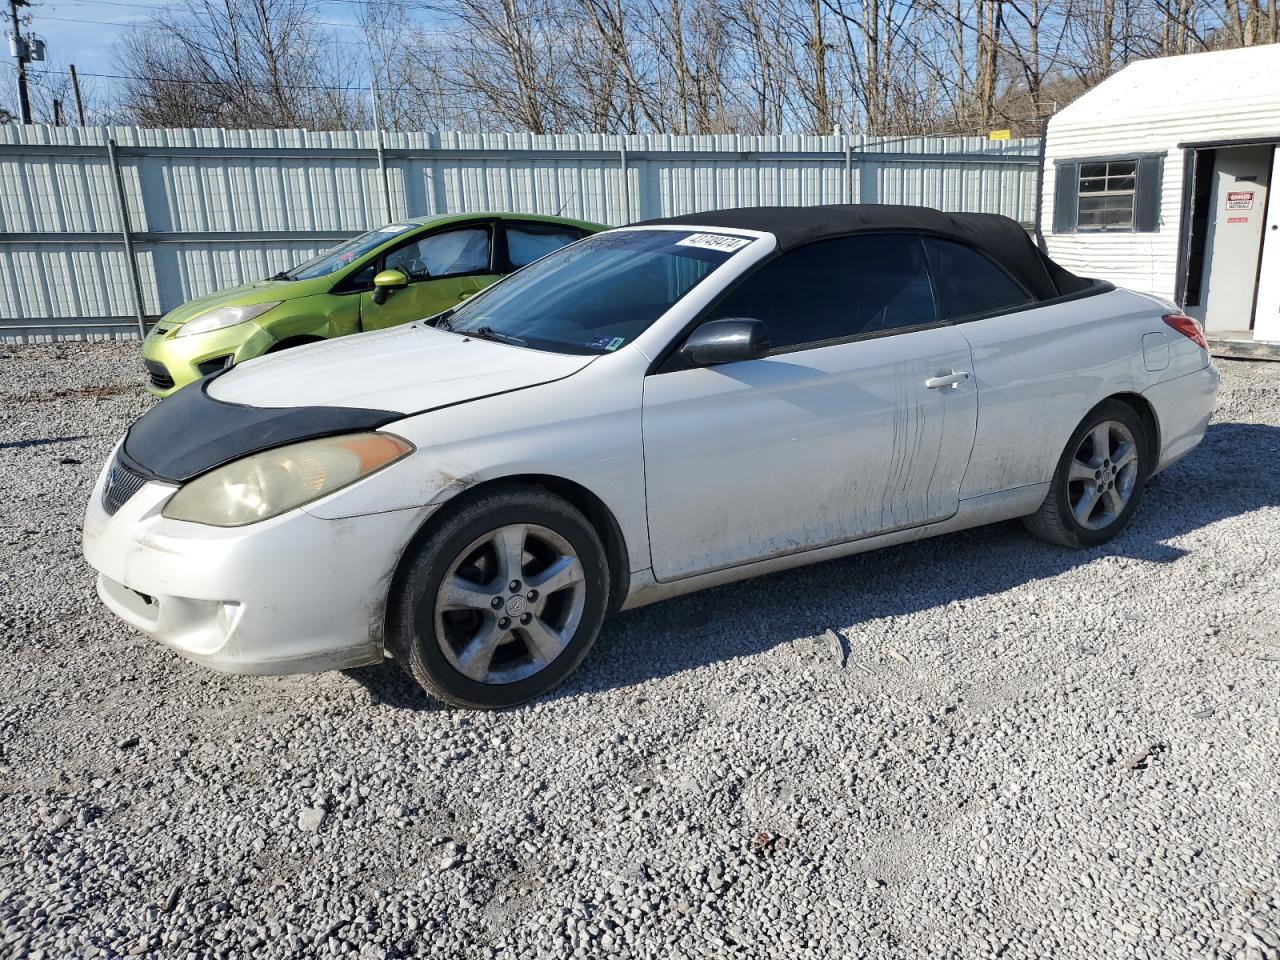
{"x":249,"y":63}
{"x":672,"y":66}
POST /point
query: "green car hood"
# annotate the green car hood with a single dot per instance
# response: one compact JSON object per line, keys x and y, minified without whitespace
{"x":259,"y":291}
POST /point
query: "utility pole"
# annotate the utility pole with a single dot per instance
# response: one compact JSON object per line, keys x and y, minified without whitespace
{"x":75,"y":89}
{"x":18,"y":48}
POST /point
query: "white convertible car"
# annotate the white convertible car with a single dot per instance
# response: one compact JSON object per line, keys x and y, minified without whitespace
{"x":650,"y":411}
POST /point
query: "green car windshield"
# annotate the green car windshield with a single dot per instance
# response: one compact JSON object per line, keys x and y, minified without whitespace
{"x":595,"y":295}
{"x":335,"y":258}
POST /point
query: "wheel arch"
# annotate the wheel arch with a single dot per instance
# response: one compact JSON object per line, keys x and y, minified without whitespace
{"x":593,"y":508}
{"x":1150,"y":422}
{"x":297,"y":340}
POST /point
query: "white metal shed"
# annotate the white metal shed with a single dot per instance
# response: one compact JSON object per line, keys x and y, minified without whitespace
{"x":1157,"y":179}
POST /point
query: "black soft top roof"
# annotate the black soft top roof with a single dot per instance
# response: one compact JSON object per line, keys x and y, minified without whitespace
{"x":998,"y":237}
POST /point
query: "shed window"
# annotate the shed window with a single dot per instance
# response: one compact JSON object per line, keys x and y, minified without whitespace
{"x":1120,"y":195}
{"x":1106,"y":194}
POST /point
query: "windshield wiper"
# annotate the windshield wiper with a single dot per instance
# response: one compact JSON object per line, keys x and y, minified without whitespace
{"x":282,"y":275}
{"x":441,"y":321}
{"x":488,"y":333}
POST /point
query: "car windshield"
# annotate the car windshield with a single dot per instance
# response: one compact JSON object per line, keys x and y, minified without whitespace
{"x":597,"y":294}
{"x":335,"y":258}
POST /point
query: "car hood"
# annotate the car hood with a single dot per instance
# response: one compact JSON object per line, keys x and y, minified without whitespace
{"x":408,"y":369}
{"x":259,"y":291}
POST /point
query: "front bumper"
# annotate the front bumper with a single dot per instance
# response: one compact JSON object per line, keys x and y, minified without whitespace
{"x":173,"y":361}
{"x":294,"y":594}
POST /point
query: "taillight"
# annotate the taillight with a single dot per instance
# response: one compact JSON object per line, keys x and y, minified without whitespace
{"x":1188,"y":328}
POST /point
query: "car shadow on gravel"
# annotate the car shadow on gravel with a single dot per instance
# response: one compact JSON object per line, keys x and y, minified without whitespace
{"x":1232,"y":473}
{"x":389,"y":686}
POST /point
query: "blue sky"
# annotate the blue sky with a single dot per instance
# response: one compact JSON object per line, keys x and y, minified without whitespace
{"x":85,"y":32}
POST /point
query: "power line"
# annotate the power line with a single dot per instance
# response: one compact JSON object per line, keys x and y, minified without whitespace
{"x":326,"y":23}
{"x":172,"y":8}
{"x":143,"y":23}
{"x":119,"y":3}
{"x":103,"y":23}
{"x":364,"y":44}
{"x":208,"y":83}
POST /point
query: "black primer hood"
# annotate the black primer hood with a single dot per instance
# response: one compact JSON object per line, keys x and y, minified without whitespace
{"x":190,"y":433}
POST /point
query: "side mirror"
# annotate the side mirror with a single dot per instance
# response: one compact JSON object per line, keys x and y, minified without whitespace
{"x":726,"y":341}
{"x":387,"y":281}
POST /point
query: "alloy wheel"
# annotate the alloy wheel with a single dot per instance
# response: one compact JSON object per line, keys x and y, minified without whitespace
{"x":1102,"y":475}
{"x":510,"y":603}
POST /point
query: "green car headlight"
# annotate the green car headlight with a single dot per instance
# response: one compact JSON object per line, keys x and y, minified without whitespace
{"x":267,"y":484}
{"x":220,"y":317}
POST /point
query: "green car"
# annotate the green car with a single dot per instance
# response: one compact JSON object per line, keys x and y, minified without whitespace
{"x":393,"y":275}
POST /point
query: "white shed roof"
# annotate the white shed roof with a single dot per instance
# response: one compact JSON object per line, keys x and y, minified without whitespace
{"x":1212,"y":86}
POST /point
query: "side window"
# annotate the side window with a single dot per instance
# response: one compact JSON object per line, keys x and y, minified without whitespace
{"x":836,"y":289}
{"x":445,"y":254}
{"x":527,"y":242}
{"x":967,"y":283}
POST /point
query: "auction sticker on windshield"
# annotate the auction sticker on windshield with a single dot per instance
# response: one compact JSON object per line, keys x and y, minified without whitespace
{"x":606,"y":343}
{"x":713,"y":241}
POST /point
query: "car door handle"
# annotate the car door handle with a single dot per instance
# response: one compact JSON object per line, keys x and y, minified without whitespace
{"x":465,"y":294}
{"x":953,"y":380}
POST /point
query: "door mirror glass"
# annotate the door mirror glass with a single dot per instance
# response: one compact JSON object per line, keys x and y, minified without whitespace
{"x":387,"y":281}
{"x":726,"y":341}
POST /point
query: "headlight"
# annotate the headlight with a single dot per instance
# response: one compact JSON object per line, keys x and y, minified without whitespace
{"x":220,"y":317}
{"x":267,"y":484}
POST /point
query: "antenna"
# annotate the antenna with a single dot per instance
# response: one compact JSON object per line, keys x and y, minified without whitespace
{"x":573,"y":196}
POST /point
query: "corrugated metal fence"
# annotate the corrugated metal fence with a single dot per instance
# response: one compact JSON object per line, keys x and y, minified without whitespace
{"x":104,"y":228}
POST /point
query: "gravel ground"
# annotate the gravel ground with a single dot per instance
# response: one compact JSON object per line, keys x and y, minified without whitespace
{"x":1028,"y":753}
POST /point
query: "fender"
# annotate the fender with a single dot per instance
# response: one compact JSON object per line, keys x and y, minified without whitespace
{"x":315,"y":316}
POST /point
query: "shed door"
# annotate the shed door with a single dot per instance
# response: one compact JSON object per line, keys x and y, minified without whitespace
{"x":1266,"y":317}
{"x":1232,"y":252}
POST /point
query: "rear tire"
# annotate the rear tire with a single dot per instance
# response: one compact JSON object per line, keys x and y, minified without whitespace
{"x":1098,"y":481}
{"x":502,"y":601}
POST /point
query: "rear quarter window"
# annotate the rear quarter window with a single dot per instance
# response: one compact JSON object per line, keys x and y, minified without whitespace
{"x":969,"y":284}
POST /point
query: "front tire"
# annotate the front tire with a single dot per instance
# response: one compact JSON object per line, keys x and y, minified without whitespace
{"x":502,"y":601}
{"x":1098,"y":481}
